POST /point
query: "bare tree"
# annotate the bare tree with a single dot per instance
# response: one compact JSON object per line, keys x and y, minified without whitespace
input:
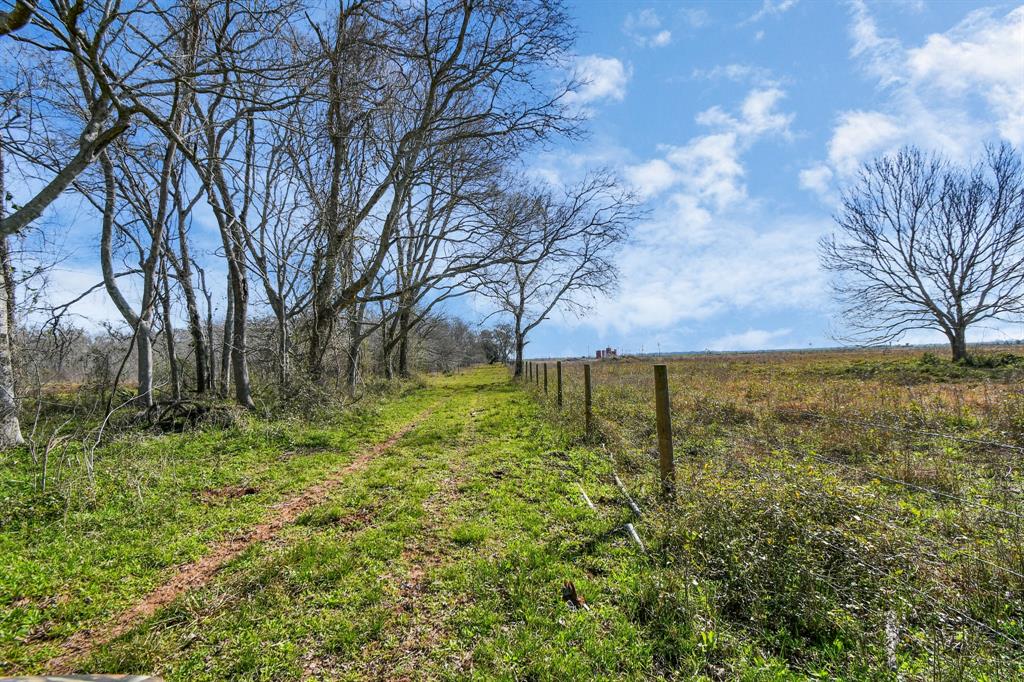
{"x":561,"y":252}
{"x":279,"y":241}
{"x":10,"y":428}
{"x":923,"y":243}
{"x":351,"y":160}
{"x":94,"y":50}
{"x":181,"y":261}
{"x":244,"y":78}
{"x":447,"y":72}
{"x":441,"y":241}
{"x":77,"y":60}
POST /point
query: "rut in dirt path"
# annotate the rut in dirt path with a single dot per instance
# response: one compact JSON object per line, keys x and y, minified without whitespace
{"x":200,"y":572}
{"x":423,"y":553}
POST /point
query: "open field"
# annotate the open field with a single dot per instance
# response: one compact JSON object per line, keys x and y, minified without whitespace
{"x":853,"y":512}
{"x":428,"y":534}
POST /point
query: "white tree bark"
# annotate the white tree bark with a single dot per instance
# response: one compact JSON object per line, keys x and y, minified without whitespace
{"x":10,"y":428}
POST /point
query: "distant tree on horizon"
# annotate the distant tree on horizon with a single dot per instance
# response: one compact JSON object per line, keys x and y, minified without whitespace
{"x":924,"y":243}
{"x":561,"y":245}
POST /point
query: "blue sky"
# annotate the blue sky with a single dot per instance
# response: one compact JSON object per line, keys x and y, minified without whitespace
{"x":738,"y":122}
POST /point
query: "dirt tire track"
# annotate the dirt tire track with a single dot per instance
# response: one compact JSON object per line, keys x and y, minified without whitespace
{"x":423,"y":553}
{"x":198,"y":573}
{"x":428,"y":550}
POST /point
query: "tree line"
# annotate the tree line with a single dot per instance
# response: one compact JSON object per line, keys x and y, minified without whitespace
{"x":357,"y":167}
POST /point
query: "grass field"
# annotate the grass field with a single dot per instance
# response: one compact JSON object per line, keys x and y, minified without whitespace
{"x":443,"y":557}
{"x":798,"y":546}
{"x":852,"y":513}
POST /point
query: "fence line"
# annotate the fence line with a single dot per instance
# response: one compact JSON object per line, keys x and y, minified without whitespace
{"x":943,"y":610}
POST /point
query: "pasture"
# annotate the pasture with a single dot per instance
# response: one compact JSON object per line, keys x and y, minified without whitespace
{"x":857,"y":513}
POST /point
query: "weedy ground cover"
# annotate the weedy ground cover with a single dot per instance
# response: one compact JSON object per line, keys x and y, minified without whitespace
{"x":113,"y":522}
{"x":851,"y":513}
{"x":443,"y":558}
{"x":828,"y":522}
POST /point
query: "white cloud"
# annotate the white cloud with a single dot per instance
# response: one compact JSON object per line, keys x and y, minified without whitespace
{"x":651,"y":178}
{"x":757,"y":75}
{"x":645,"y":29}
{"x":859,"y":135}
{"x":739,"y":262}
{"x":758,"y":114}
{"x":982,"y":56}
{"x":771,"y":8}
{"x":953,"y":93}
{"x":816,"y":178}
{"x":695,"y":18}
{"x":601,"y":78}
{"x":752,"y":339}
{"x":881,"y":55}
{"x":708,"y":166}
{"x":709,"y":248}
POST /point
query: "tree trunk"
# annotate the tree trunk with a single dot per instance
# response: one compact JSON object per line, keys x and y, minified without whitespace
{"x":239,"y":363}
{"x":227,"y":343}
{"x":209,"y":353}
{"x":352,"y":366}
{"x":8,"y":272}
{"x":183,"y":273}
{"x":326,"y":262}
{"x":195,"y":328}
{"x":282,"y":347}
{"x":958,"y":344}
{"x":319,"y":334}
{"x":172,"y":356}
{"x":403,"y":343}
{"x":355,"y":342}
{"x":10,"y":428}
{"x":141,"y":322}
{"x":144,"y":347}
{"x":520,"y":345}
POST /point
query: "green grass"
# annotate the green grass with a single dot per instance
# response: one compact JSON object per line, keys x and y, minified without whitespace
{"x":824,"y":548}
{"x":445,"y":557}
{"x":76,"y":556}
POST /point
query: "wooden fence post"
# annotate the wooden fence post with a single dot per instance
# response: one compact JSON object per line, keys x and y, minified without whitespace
{"x":558,"y":381}
{"x":587,"y":401}
{"x":545,"y":378}
{"x":662,"y":406}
